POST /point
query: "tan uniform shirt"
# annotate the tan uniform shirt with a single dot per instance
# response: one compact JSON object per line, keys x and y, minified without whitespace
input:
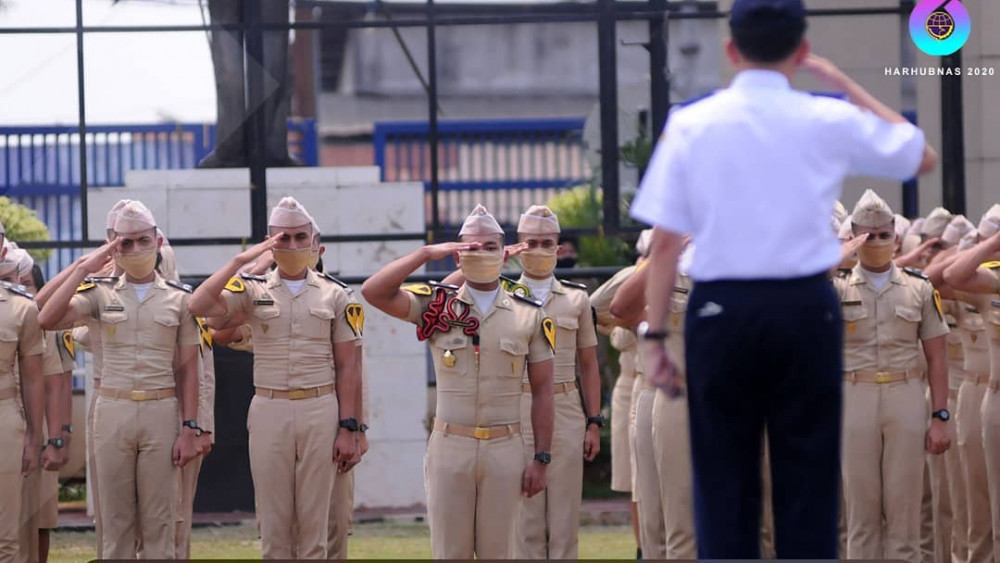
{"x":20,"y":333}
{"x":882,"y":329}
{"x":206,"y":381}
{"x":975,"y":339}
{"x":953,"y":343}
{"x":602,"y":297}
{"x":57,"y":358}
{"x":293,"y":335}
{"x":624,"y":340}
{"x":139,"y":338}
{"x":569,"y":308}
{"x":511,"y":335}
{"x":678,"y":308}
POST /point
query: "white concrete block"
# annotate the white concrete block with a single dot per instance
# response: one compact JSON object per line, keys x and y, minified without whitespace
{"x":148,"y":179}
{"x":203,"y":260}
{"x":391,"y":475}
{"x":393,"y":385}
{"x":382,"y":208}
{"x":363,"y":258}
{"x":388,"y":337}
{"x":209,"y":212}
{"x":323,"y":177}
{"x":232,"y":178}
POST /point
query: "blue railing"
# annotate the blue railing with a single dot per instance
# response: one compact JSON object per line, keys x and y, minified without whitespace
{"x":505,"y":164}
{"x":40,"y":166}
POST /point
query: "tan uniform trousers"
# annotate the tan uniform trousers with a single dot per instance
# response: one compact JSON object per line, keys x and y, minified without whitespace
{"x":652,"y":530}
{"x":549,"y":523}
{"x":187,"y":487}
{"x":969,"y":424}
{"x":27,"y":534}
{"x":473,"y":495}
{"x":94,"y":493}
{"x":138,"y":481}
{"x":991,"y":447}
{"x":291,"y":461}
{"x":341,"y":516}
{"x":948,"y":514}
{"x":672,"y":451}
{"x":621,"y":449}
{"x":12,"y":428}
{"x":884,"y":435}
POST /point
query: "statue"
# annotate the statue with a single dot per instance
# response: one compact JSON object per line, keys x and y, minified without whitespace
{"x":234,"y":132}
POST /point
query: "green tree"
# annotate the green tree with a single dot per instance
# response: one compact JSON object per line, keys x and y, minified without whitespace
{"x":23,"y":225}
{"x":582,"y":208}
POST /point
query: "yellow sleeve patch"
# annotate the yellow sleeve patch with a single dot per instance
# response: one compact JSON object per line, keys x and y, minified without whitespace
{"x":205,"y":333}
{"x":355,"y":315}
{"x":549,"y":330}
{"x":235,"y":285}
{"x":68,"y":343}
{"x":85,"y":286}
{"x":991,"y":265}
{"x":418,"y":289}
{"x":937,"y":304}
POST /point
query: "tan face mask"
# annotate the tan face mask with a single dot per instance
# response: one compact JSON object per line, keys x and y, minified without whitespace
{"x":480,"y":266}
{"x":876,"y":255}
{"x":292,"y":262}
{"x":137,"y":265}
{"x":538,"y":262}
{"x":313,"y":259}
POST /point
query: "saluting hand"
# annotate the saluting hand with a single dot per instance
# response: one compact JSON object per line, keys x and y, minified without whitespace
{"x":825,"y":71}
{"x":852,"y":246}
{"x":446,"y":249}
{"x":97,"y":260}
{"x":938,"y":440}
{"x":255,"y":251}
{"x":535,"y":479}
{"x":516,"y":249}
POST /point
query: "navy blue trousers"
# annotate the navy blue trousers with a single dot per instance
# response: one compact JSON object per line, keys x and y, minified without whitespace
{"x":765,"y":355}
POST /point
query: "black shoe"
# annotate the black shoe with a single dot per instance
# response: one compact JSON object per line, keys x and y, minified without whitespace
{"x":638,"y":554}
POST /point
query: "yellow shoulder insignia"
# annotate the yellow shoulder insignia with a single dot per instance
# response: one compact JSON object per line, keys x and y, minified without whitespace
{"x":937,"y":304}
{"x":355,"y":315}
{"x":236,"y":285}
{"x":418,"y":289}
{"x":992,"y":265}
{"x":68,"y":343}
{"x":85,"y":286}
{"x":205,"y":333}
{"x":549,"y":330}
{"x":519,"y":289}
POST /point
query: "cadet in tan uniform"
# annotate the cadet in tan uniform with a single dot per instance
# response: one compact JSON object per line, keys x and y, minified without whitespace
{"x":977,"y":271}
{"x":146,"y":330}
{"x":302,"y":420}
{"x":40,"y":498}
{"x":549,"y":523}
{"x":887,"y":314}
{"x":482,"y":340}
{"x":623,"y":340}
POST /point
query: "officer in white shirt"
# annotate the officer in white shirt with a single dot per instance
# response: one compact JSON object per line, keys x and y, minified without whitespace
{"x":763,"y":330}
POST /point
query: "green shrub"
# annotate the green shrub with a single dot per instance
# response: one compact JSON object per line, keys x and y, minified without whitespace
{"x":581,"y":207}
{"x":23,"y":225}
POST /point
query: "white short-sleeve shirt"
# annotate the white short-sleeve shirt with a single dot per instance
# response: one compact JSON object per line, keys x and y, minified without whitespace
{"x":753,"y":171}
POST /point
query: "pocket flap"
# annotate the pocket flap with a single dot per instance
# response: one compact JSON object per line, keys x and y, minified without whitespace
{"x":113,"y":317}
{"x":908,"y":313}
{"x":167,"y":319}
{"x":322,"y":313}
{"x":568,"y":323}
{"x":266,"y":312}
{"x":854,"y":313}
{"x":514,"y":347}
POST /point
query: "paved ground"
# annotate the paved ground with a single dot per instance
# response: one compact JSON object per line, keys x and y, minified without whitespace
{"x":594,"y":512}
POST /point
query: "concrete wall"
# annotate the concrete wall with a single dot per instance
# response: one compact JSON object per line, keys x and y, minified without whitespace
{"x":215,"y":203}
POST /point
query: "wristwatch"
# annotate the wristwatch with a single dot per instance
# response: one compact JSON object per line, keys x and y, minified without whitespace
{"x":67,"y":428}
{"x":57,"y":443}
{"x":646,"y":334}
{"x":193,"y":425}
{"x":942,"y":415}
{"x":598,"y":420}
{"x":350,"y":424}
{"x":363,"y":428}
{"x":544,"y":458}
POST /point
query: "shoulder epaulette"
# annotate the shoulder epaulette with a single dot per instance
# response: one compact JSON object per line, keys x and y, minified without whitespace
{"x":253,"y":277}
{"x":916,"y":273}
{"x":568,"y":283}
{"x":992,"y":265}
{"x":511,"y":286}
{"x":681,"y":290}
{"x":443,"y":285}
{"x":17,"y":289}
{"x":508,"y":280}
{"x":330,"y":277}
{"x":181,"y":286}
{"x":418,"y":289}
{"x":527,"y":300}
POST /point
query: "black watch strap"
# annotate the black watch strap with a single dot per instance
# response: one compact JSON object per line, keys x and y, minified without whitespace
{"x":544,"y":458}
{"x":598,"y":420}
{"x":350,"y":424}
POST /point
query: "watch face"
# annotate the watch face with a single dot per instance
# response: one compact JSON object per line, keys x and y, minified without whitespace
{"x":942,"y":415}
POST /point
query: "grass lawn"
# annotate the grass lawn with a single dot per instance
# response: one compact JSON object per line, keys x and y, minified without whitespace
{"x":370,"y":541}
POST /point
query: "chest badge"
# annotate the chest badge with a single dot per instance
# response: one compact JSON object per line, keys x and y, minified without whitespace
{"x":852,"y":327}
{"x":264,"y":327}
{"x":974,"y":337}
{"x":448,"y":359}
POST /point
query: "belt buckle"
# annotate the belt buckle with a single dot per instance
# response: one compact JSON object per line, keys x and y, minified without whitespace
{"x":297,"y":394}
{"x":138,"y":395}
{"x":481,"y":433}
{"x":883,"y":377}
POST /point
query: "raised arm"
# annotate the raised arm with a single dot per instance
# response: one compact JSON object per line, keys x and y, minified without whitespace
{"x":57,"y":312}
{"x":383,"y":290}
{"x":629,"y":302}
{"x":207,"y":300}
{"x":966,"y":273}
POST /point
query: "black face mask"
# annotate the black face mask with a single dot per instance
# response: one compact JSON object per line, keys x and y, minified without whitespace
{"x":566,"y":262}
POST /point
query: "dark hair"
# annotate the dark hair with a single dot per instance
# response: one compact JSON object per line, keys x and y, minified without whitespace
{"x":572,"y":239}
{"x":319,"y":265}
{"x":37,"y":277}
{"x":768,"y":36}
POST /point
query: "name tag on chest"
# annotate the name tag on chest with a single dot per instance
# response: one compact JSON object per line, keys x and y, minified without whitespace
{"x":114,"y":308}
{"x":263,"y":301}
